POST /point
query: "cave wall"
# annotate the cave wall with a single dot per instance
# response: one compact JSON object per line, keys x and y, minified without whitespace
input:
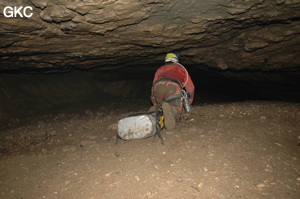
{"x":221,"y":34}
{"x":23,"y":95}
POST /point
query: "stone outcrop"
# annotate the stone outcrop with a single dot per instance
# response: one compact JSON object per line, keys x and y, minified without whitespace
{"x":250,"y":35}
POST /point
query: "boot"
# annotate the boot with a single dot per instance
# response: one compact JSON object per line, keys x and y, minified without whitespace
{"x":168,"y":112}
{"x":152,"y":109}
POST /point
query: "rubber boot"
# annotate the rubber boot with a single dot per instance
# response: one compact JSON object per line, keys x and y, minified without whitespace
{"x":152,"y":109}
{"x":168,"y":111}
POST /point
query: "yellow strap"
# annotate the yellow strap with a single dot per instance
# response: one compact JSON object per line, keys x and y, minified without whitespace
{"x":161,"y":123}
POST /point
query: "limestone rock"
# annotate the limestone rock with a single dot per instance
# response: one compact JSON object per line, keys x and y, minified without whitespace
{"x":85,"y":143}
{"x":11,"y":3}
{"x":57,"y":13}
{"x":249,"y":47}
{"x":39,"y":3}
{"x":83,"y":7}
{"x":225,"y":35}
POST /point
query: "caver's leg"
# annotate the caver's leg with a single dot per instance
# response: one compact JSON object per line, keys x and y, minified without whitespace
{"x":169,"y":114}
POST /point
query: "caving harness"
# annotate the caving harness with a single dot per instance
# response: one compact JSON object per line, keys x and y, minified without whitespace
{"x":175,"y":98}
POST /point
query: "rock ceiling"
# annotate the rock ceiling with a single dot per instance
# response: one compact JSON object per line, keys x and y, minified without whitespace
{"x":250,"y":35}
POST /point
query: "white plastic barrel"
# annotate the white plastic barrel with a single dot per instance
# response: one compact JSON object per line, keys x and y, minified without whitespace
{"x":136,"y":127}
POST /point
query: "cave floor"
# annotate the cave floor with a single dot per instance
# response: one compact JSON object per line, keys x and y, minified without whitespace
{"x":226,"y":150}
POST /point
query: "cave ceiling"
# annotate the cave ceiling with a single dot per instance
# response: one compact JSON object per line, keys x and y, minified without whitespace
{"x":238,"y":35}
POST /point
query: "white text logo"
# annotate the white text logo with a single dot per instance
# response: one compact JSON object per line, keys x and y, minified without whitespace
{"x":15,"y":11}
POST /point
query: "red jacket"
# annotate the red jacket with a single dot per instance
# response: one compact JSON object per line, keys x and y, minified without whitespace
{"x":177,"y":72}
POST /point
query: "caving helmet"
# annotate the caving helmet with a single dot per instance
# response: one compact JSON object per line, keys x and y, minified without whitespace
{"x":171,"y":57}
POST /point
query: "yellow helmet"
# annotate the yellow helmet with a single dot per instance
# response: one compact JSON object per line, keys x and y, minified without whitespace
{"x":171,"y":57}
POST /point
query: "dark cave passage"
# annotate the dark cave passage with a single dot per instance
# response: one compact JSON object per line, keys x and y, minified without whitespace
{"x":76,"y":91}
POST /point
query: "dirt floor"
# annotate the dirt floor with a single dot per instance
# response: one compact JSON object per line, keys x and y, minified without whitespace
{"x":224,"y":150}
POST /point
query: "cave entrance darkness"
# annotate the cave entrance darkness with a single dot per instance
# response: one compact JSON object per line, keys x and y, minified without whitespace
{"x":76,"y":91}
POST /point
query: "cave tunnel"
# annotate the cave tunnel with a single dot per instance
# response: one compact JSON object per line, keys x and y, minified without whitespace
{"x":69,"y":70}
{"x":32,"y":93}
